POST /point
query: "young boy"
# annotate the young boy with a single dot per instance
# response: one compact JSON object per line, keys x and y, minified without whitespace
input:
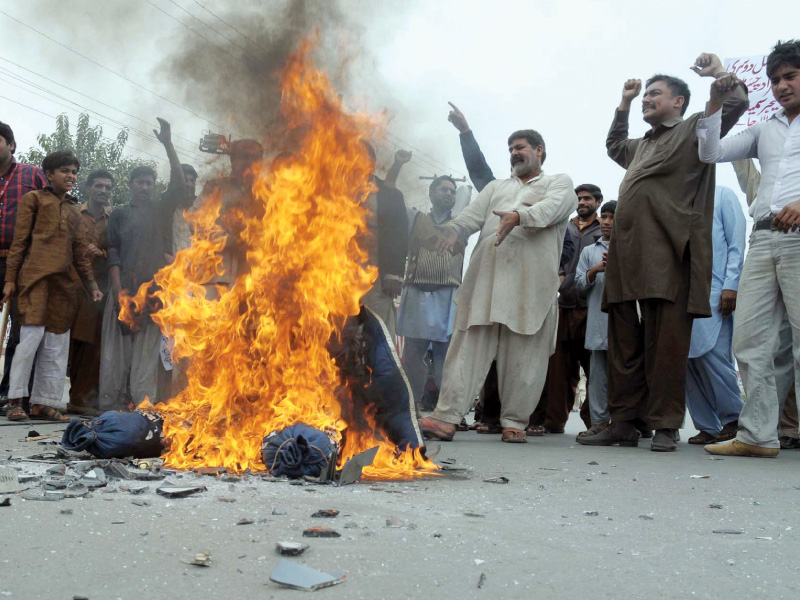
{"x":590,"y":278}
{"x":49,"y":238}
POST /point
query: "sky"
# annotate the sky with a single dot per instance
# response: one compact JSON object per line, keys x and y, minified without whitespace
{"x":555,"y":66}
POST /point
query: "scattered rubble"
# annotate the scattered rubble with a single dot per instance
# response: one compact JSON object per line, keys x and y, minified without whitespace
{"x":325,"y":514}
{"x":290,"y":548}
{"x":321,"y":532}
{"x":300,"y":577}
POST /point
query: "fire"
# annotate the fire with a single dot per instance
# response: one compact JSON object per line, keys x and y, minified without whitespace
{"x":258,"y":354}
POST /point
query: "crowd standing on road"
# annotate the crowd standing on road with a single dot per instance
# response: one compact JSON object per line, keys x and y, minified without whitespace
{"x":651,"y":295}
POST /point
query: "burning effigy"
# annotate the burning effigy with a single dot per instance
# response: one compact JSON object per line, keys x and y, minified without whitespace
{"x":286,"y":342}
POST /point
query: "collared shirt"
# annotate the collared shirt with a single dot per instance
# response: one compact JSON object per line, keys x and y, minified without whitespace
{"x":515,"y":283}
{"x":596,"y":320}
{"x":138,"y":239}
{"x":49,"y":238}
{"x":97,"y":234}
{"x":728,"y":238}
{"x":20,"y":179}
{"x":584,"y":224}
{"x":774,"y":142}
{"x":665,"y":210}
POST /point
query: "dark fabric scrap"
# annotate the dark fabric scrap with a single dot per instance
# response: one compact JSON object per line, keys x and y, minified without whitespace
{"x":297,"y":451}
{"x":116,"y":435}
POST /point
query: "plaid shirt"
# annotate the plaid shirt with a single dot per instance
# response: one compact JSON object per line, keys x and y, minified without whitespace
{"x":18,"y":181}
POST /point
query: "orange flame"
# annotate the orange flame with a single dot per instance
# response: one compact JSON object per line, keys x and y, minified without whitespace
{"x":258,"y":354}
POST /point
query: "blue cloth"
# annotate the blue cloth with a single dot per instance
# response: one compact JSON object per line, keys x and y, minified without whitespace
{"x":596,"y":319}
{"x":728,"y":241}
{"x":116,"y":435}
{"x":712,"y":388}
{"x":395,"y":412}
{"x":297,"y":451}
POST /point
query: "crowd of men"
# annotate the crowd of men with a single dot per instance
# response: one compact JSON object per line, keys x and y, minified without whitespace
{"x":650,"y":295}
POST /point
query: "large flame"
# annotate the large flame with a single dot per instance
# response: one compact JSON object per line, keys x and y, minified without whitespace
{"x":258,"y":354}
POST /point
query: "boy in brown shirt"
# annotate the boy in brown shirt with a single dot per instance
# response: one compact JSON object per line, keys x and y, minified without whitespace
{"x":49,"y":238}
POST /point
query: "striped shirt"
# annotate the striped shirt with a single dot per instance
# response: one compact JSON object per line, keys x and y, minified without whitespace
{"x":20,"y":179}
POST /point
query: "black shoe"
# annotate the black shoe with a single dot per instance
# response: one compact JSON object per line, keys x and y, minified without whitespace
{"x":644,"y":431}
{"x":788,"y":443}
{"x":665,"y":440}
{"x":622,"y":433}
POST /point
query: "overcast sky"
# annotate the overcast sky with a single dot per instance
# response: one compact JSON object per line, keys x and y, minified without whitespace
{"x":554,"y":66}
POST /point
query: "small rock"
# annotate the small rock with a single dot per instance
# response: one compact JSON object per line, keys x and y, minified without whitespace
{"x":351,"y":525}
{"x":479,"y":562}
{"x":278,"y":511}
{"x":645,"y":517}
{"x":481,"y":580}
{"x":715,"y":506}
{"x":245,"y":522}
{"x":66,"y":511}
{"x":591,"y":513}
{"x":594,"y":463}
{"x":731,"y":562}
{"x":729,"y":531}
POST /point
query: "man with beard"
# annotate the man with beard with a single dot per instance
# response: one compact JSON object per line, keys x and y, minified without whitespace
{"x":769,"y":288}
{"x":658,"y":273}
{"x":138,"y":245}
{"x":427,"y":310}
{"x":506,"y":307}
{"x":558,"y":398}
{"x":84,"y":350}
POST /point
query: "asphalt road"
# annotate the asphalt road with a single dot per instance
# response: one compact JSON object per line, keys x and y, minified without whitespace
{"x":573,"y":522}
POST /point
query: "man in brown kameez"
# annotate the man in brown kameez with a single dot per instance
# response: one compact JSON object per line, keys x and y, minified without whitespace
{"x":84,"y":349}
{"x":49,"y":239}
{"x":658,"y":276}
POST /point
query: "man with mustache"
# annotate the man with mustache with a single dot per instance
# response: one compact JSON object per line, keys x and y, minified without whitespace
{"x":507,"y":305}
{"x":49,"y":240}
{"x":427,"y":311}
{"x":658,"y":274}
{"x":769,"y":288}
{"x":84,"y":351}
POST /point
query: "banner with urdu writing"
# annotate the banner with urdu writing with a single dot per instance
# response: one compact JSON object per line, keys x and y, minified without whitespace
{"x":752,"y":70}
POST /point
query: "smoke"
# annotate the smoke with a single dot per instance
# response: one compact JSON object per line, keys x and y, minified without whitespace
{"x":231,"y":75}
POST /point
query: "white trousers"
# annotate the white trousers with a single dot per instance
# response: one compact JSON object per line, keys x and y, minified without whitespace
{"x":521,"y":369}
{"x":51,"y":353}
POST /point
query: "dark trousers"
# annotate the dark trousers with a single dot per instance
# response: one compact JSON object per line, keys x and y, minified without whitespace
{"x":647,"y":360}
{"x":563,"y":372}
{"x":488,"y":409}
{"x":84,"y":375}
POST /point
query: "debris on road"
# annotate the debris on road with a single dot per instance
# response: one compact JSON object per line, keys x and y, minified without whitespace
{"x":591,"y":513}
{"x":700,"y":476}
{"x":201,"y":559}
{"x":715,"y":506}
{"x":290,"y":548}
{"x":393,"y":523}
{"x":5,"y":502}
{"x":645,"y":517}
{"x":245,"y":522}
{"x":321,"y":532}
{"x":500,"y":479}
{"x":300,"y":577}
{"x":729,"y":531}
{"x":180,"y":492}
{"x":9,"y":482}
{"x":481,"y":580}
{"x":325,"y":514}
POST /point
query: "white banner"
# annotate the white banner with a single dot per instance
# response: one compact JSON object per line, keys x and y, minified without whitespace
{"x":752,"y":70}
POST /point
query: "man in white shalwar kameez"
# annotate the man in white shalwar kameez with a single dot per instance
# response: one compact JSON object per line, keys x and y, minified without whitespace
{"x":506,"y":307}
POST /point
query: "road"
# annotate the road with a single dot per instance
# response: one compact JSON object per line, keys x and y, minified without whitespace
{"x":573,"y":522}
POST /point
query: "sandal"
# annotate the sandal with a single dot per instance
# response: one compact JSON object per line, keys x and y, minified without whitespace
{"x":475,"y":425}
{"x":512,"y":435}
{"x":489,"y":428}
{"x":535,"y":430}
{"x":40,"y":412}
{"x":703,"y":438}
{"x":728,"y":431}
{"x":433,"y":431}
{"x":15,"y":412}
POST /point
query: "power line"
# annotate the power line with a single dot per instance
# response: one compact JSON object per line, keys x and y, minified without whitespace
{"x":61,"y":85}
{"x":103,"y":137}
{"x":131,"y":81}
{"x":219,"y":33}
{"x":197,"y":33}
{"x":109,"y":120}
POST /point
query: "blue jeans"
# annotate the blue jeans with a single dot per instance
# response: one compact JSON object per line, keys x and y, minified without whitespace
{"x":414,"y":351}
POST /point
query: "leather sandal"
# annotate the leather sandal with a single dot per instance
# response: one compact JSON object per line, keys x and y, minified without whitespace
{"x":40,"y":412}
{"x":534,"y":430}
{"x":489,"y":428}
{"x":512,"y":435}
{"x":704,"y":438}
{"x":15,"y":412}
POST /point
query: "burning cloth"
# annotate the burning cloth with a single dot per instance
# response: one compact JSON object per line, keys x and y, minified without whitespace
{"x":116,"y":435}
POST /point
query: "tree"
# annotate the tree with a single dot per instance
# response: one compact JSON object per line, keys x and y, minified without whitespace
{"x":94,"y":151}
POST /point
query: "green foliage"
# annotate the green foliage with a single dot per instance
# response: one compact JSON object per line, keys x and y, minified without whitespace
{"x":94,"y":151}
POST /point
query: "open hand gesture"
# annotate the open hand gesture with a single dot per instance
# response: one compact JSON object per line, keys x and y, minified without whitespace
{"x":508,"y":220}
{"x":165,"y":135}
{"x":447,"y":240}
{"x":457,"y":118}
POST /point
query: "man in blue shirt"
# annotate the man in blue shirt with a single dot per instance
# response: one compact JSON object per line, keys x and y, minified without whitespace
{"x":712,"y":387}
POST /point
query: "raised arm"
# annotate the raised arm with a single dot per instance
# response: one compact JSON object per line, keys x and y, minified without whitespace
{"x":177,"y":187}
{"x":620,"y":148}
{"x":401,"y":157}
{"x":479,"y":171}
